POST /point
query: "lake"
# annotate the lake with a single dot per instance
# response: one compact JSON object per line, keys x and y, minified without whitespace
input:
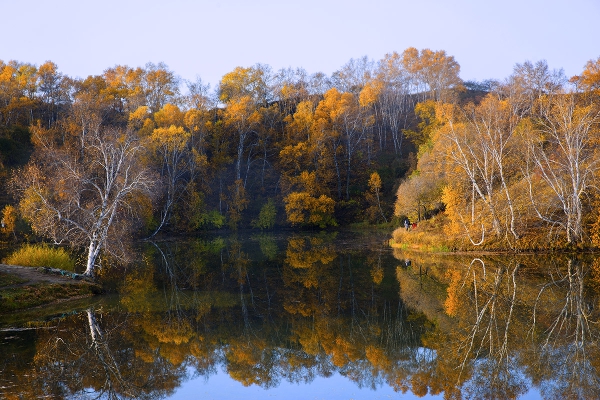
{"x":319,"y":316}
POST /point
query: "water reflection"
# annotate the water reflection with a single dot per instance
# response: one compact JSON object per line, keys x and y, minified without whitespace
{"x":507,"y":325}
{"x":271,"y":309}
{"x":88,"y":354}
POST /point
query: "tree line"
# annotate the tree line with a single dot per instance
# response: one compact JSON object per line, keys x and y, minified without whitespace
{"x":265,"y":148}
{"x":137,"y":151}
{"x":517,"y":167}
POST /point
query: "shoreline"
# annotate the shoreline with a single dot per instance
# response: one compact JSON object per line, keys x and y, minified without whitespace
{"x":23,"y":288}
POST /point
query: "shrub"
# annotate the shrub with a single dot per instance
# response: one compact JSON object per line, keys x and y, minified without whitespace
{"x":41,"y":255}
{"x":267,"y":216}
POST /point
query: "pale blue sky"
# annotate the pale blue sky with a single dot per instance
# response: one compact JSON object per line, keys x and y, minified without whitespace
{"x":209,"y":38}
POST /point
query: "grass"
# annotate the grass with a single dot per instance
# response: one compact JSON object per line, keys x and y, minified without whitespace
{"x":41,"y":255}
{"x":428,"y":236}
{"x":440,"y":249}
{"x":9,"y":280}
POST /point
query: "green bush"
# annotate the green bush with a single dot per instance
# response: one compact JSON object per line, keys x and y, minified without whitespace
{"x":267,"y":216}
{"x":41,"y":255}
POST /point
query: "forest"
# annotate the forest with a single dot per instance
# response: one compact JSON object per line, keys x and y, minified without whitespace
{"x":138,"y":152}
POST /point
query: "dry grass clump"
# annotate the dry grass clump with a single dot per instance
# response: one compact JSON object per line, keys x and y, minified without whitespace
{"x":427,"y":236}
{"x":41,"y":255}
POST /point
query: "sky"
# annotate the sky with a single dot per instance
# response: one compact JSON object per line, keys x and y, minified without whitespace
{"x":208,"y":38}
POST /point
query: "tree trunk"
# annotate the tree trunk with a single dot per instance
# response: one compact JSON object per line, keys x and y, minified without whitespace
{"x":240,"y":152}
{"x":93,"y":251}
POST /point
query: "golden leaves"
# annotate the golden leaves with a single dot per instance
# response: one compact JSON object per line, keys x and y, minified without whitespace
{"x":453,"y":201}
{"x":169,"y":115}
{"x":590,"y":77}
{"x":173,"y":138}
{"x":138,"y":117}
{"x":304,"y":209}
{"x":9,"y":219}
{"x":370,"y":93}
{"x":374,"y":182}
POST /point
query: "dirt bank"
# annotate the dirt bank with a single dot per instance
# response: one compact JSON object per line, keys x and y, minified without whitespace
{"x":27,"y":287}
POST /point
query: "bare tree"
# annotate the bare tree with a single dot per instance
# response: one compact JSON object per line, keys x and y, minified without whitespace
{"x":85,"y":199}
{"x":470,"y":154}
{"x":562,"y":152}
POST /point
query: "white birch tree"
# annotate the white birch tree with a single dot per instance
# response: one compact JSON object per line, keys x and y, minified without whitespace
{"x":562,"y":161}
{"x":85,"y":200}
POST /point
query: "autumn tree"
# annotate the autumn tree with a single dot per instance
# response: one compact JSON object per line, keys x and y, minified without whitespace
{"x":9,"y":220}
{"x":250,"y":82}
{"x":338,"y":132}
{"x":306,"y":207}
{"x":561,"y":154}
{"x":400,"y":82}
{"x":589,"y":79}
{"x":53,"y":90}
{"x":169,"y":145}
{"x":90,"y":109}
{"x":18,"y":88}
{"x":428,"y":124}
{"x":417,"y":196}
{"x":492,"y":122}
{"x":85,"y":201}
{"x":479,"y":140}
{"x":153,"y":86}
{"x":527,"y":84}
{"x":389,"y":93}
{"x":160,"y":86}
{"x":433,"y":73}
{"x":290,"y":87}
{"x":242,"y":116}
{"x":126,"y":86}
{"x":373,"y":198}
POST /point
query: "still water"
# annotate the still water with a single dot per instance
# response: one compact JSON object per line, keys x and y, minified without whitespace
{"x":324,"y":316}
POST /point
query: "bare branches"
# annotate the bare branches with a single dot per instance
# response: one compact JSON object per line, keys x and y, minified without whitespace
{"x":562,"y":150}
{"x":79,"y":197}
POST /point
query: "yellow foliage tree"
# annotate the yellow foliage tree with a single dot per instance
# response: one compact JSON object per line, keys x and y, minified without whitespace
{"x":452,"y":199}
{"x":138,"y":118}
{"x":590,"y":77}
{"x":169,"y":115}
{"x":304,"y":209}
{"x":307,"y":207}
{"x":9,"y":220}
{"x":372,"y":197}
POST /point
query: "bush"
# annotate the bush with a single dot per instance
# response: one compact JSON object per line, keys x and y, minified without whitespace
{"x":267,"y":216}
{"x":41,"y":255}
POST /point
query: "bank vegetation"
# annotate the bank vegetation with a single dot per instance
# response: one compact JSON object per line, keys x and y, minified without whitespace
{"x":137,"y":152}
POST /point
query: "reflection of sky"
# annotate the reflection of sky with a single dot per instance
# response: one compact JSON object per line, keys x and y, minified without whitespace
{"x":222,"y":386}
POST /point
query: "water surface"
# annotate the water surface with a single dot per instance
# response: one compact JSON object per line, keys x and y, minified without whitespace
{"x":331,"y":315}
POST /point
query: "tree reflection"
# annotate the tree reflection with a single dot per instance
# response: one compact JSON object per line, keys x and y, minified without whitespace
{"x":490,"y":327}
{"x":487,"y":342}
{"x":78,"y":358}
{"x":566,"y":320}
{"x":516,"y":323}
